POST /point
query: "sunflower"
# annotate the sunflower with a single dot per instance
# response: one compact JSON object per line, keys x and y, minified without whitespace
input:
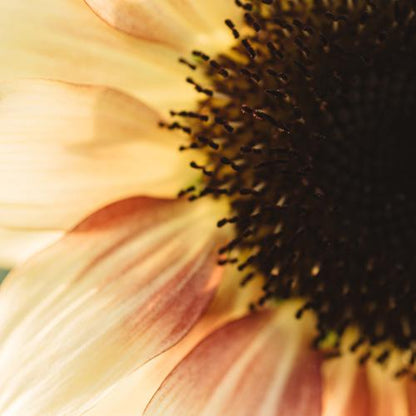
{"x":237,"y":244}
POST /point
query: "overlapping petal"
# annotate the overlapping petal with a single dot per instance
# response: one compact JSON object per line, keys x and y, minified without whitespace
{"x":67,"y":149}
{"x":65,"y":40}
{"x":258,"y":365}
{"x":411,"y":394}
{"x":346,"y":391}
{"x":123,"y":286}
{"x":388,"y":396}
{"x":18,"y":246}
{"x":131,"y":395}
{"x":351,"y":389}
{"x":180,"y":23}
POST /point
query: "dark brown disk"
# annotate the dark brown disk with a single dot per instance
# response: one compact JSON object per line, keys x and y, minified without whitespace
{"x":310,"y":127}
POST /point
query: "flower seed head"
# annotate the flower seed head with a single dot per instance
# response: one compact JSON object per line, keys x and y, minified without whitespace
{"x":308,"y":124}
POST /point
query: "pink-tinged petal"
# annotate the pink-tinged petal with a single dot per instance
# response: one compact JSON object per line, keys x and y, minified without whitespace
{"x":411,"y":396}
{"x":123,"y":286}
{"x":258,"y":365}
{"x":302,"y":394}
{"x":388,"y":395}
{"x":66,"y":150}
{"x":65,"y":40}
{"x":131,"y":395}
{"x":182,"y":24}
{"x":346,"y":389}
{"x":155,"y":21}
{"x":351,"y":389}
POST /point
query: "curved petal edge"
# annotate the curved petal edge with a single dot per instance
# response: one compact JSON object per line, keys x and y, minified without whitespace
{"x":258,"y":365}
{"x":123,"y":286}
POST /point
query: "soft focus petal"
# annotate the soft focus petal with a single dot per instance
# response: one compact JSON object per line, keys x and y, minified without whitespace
{"x":351,"y":389}
{"x":123,"y":286}
{"x":346,"y":390}
{"x":180,"y":23}
{"x":411,"y":396}
{"x":131,"y":395}
{"x":3,"y":274}
{"x":18,"y":246}
{"x":388,"y":395}
{"x":65,"y":40}
{"x":67,"y":149}
{"x":259,"y":365}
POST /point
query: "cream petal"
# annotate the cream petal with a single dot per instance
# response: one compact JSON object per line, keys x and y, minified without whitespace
{"x":346,"y":389}
{"x":123,"y":286}
{"x":126,"y":398}
{"x":67,"y":149}
{"x":258,"y":365}
{"x":215,"y":12}
{"x":388,"y":395}
{"x":65,"y":40}
{"x":180,"y":23}
{"x":18,"y":246}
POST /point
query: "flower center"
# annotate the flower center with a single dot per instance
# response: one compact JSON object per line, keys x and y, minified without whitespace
{"x":308,"y":127}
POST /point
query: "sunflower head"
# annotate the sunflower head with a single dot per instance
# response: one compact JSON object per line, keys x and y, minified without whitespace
{"x":307,"y":124}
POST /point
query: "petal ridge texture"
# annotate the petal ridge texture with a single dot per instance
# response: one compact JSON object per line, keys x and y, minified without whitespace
{"x":123,"y":286}
{"x":258,"y":365}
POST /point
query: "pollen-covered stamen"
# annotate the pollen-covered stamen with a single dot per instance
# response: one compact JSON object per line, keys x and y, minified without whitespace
{"x":311,"y":135}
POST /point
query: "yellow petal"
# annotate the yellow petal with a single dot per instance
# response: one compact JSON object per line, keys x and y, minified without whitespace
{"x":67,"y":149}
{"x":65,"y":40}
{"x":123,"y":286}
{"x":183,"y":24}
{"x":388,"y":395}
{"x":18,"y":246}
{"x":257,"y":365}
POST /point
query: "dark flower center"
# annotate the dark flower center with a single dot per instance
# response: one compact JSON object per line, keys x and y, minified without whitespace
{"x":309,"y":124}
